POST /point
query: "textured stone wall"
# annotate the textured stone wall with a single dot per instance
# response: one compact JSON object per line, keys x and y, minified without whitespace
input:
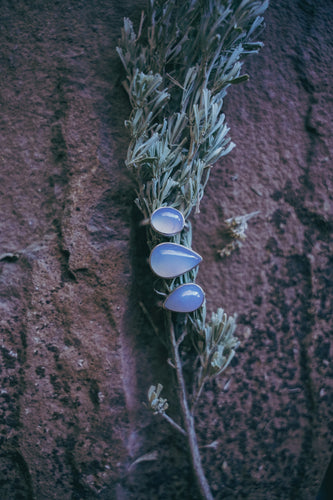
{"x":76,"y":352}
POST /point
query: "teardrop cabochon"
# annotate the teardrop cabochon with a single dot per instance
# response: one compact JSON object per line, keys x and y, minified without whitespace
{"x":169,"y":260}
{"x":184,"y":299}
{"x":167,"y":221}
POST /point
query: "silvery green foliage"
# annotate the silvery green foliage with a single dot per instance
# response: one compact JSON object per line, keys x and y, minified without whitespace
{"x":236,"y":230}
{"x":179,"y":66}
{"x":177,"y":76}
{"x":215,"y":343}
{"x":158,"y":404}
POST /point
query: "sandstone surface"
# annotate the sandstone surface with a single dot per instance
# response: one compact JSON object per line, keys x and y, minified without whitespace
{"x":77,"y":354}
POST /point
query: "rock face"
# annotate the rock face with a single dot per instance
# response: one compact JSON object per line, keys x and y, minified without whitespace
{"x":77,"y":354}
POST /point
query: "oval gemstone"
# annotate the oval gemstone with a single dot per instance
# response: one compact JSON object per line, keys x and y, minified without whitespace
{"x":186,"y":298}
{"x":169,"y":260}
{"x":167,"y":221}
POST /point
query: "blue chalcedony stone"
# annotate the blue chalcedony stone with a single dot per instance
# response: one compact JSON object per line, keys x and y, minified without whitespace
{"x":186,"y":298}
{"x":167,"y":221}
{"x":169,"y":260}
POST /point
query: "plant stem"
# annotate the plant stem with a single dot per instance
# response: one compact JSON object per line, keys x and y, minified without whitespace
{"x":197,"y":396}
{"x":174,"y":424}
{"x":189,"y":420}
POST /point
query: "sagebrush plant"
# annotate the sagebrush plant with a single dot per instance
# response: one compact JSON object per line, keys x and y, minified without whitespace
{"x":179,"y":64}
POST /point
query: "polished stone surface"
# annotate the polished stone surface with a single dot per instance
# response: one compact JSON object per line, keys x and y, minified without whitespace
{"x":186,"y":298}
{"x":167,"y":221}
{"x":169,"y":260}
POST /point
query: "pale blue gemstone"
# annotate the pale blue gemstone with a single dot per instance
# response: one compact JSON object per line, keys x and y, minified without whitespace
{"x":169,"y":260}
{"x":184,"y":299}
{"x":167,"y":221}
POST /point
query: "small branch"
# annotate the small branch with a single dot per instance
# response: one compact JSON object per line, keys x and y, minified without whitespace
{"x":141,"y":24}
{"x":173,"y":423}
{"x":181,"y":338}
{"x":171,"y":363}
{"x":189,"y":421}
{"x":148,"y":316}
{"x":174,"y":81}
{"x":197,"y":396}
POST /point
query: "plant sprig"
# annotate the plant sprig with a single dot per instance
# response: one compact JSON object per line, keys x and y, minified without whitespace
{"x":178,"y":68}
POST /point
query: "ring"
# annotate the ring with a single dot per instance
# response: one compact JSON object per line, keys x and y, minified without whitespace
{"x":184,"y":299}
{"x":167,"y":221}
{"x":169,"y":260}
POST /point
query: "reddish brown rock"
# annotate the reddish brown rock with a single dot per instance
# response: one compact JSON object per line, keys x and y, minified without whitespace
{"x":77,"y":354}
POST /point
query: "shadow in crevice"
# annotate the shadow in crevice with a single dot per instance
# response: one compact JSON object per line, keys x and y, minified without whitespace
{"x":144,"y":357}
{"x":326,"y":488}
{"x":169,"y":474}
